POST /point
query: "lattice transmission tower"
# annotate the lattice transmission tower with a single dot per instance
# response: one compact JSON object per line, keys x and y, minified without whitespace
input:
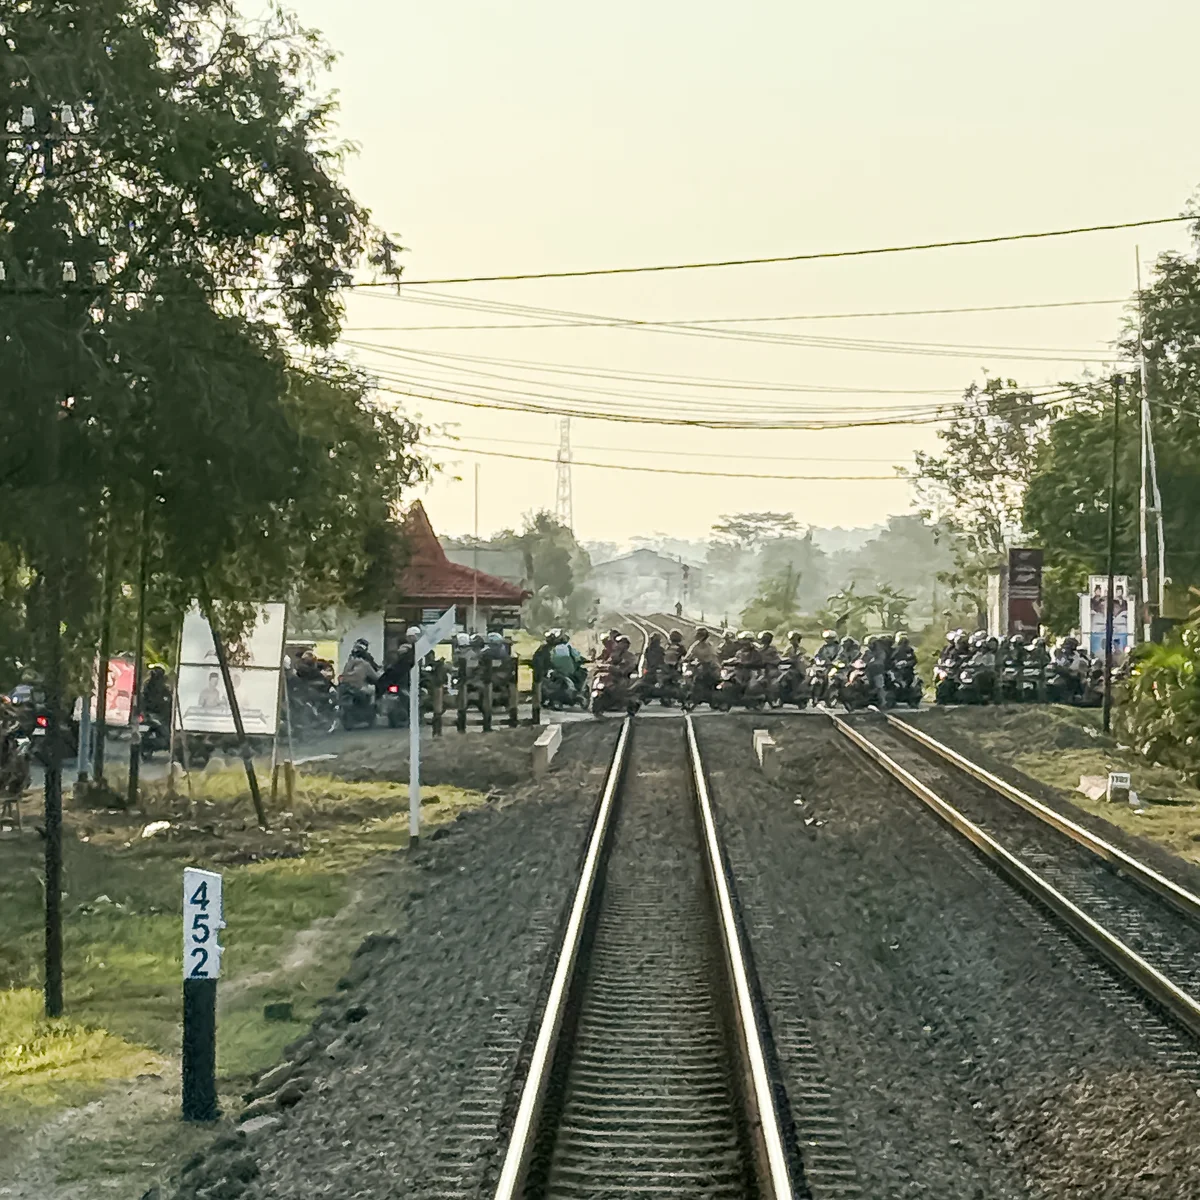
{"x":563,"y":508}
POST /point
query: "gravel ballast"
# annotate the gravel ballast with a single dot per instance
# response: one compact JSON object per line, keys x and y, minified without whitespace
{"x":402,"y":1087}
{"x":974,"y":1050}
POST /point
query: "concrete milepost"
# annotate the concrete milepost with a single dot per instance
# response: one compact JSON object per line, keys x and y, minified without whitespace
{"x":431,"y":635}
{"x":203,"y":919}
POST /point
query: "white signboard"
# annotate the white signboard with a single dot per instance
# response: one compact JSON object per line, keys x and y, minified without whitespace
{"x":432,"y":634}
{"x":204,"y":705}
{"x":255,"y":662}
{"x":262,"y":647}
{"x":203,"y":919}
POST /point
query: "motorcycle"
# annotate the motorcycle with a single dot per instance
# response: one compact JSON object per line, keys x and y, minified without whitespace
{"x":856,"y":692}
{"x":153,"y":735}
{"x":559,"y":691}
{"x":794,"y":686}
{"x":699,"y":685}
{"x":357,"y":706}
{"x":945,"y":683}
{"x":904,"y":686}
{"x":818,"y":681}
{"x":16,"y":758}
{"x":1033,"y":684}
{"x":612,"y":692}
{"x":971,"y":689}
{"x":739,"y":686}
{"x":313,"y":706}
{"x":1063,"y":685}
{"x":1012,"y":683}
{"x":393,"y":705}
{"x":670,"y":687}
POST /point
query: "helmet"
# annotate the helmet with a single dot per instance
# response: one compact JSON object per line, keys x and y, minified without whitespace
{"x":766,"y":637}
{"x":902,"y":639}
{"x":413,"y":632}
{"x":952,"y":637}
{"x":656,"y":637}
{"x":962,"y":642}
{"x":622,"y":640}
{"x":158,"y":669}
{"x":495,"y":639}
{"x":361,"y":647}
{"x":462,"y":640}
{"x":676,"y":636}
{"x":1040,"y":643}
{"x":1070,"y":644}
{"x":847,"y":640}
{"x":1016,"y":640}
{"x":614,"y":634}
{"x":701,"y":634}
{"x":993,"y":644}
{"x":551,"y":635}
{"x":872,"y":641}
{"x":563,"y":637}
{"x":830,"y":635}
{"x":794,"y":635}
{"x":745,"y":636}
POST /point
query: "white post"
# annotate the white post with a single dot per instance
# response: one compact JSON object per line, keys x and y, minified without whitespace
{"x":475,"y":561}
{"x":414,"y":749}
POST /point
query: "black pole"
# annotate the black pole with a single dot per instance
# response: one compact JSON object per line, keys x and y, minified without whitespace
{"x":53,"y":790}
{"x":1112,"y":555}
{"x":106,"y":607}
{"x":236,"y":711}
{"x":200,"y":1050}
{"x":139,"y":656}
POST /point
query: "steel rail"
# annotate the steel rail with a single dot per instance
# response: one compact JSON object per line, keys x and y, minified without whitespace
{"x":1128,"y":962}
{"x":522,"y":1141}
{"x":1146,"y":877}
{"x":775,"y":1173}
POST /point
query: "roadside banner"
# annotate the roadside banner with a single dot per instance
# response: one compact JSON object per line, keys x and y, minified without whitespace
{"x":255,"y":664}
{"x":1093,"y":614}
{"x":1024,"y":592}
{"x":120,"y":692}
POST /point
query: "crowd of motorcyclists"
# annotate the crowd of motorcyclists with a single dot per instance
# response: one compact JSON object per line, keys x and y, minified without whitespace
{"x":751,"y":670}
{"x":982,"y":669}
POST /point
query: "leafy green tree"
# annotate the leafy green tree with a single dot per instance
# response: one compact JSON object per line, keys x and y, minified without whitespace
{"x":847,"y":609}
{"x":752,"y":529}
{"x":775,"y":606}
{"x":172,"y":286}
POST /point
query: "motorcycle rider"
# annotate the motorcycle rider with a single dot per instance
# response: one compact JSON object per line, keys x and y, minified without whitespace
{"x":568,"y":659}
{"x":874,"y":659}
{"x":609,"y":645}
{"x":702,"y":651}
{"x":769,"y":659}
{"x":829,"y":649}
{"x":983,"y":660}
{"x":1071,"y":666}
{"x":156,"y":696}
{"x":361,"y":672}
{"x":729,"y":646}
{"x":794,"y":654}
{"x":904,"y":657}
{"x":543,"y":655}
{"x":623,"y":663}
{"x":654,"y":658}
{"x":848,"y":650}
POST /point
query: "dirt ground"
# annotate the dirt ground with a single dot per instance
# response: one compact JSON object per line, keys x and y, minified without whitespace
{"x":330,"y":873}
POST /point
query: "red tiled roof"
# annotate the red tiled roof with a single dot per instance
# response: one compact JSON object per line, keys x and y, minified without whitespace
{"x":430,"y":575}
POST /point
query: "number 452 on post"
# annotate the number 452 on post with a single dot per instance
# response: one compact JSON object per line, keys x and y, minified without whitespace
{"x":203,"y":918}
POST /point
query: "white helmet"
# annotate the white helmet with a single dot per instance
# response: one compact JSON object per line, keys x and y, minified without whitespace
{"x":413,"y":632}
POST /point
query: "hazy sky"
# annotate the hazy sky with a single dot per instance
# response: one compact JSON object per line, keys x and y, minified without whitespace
{"x":533,"y":136}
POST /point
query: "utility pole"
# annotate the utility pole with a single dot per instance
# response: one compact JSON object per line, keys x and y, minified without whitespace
{"x":475,"y":561}
{"x":564,"y":504}
{"x":1112,"y":554}
{"x":139,"y":656}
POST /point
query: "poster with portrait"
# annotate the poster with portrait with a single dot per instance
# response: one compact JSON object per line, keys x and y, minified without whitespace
{"x":255,"y":663}
{"x":204,"y":704}
{"x":1093,"y":613}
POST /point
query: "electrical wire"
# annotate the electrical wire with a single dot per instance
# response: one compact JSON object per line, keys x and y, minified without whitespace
{"x":842,"y":316}
{"x":787,"y":258}
{"x":659,"y":451}
{"x":575,"y":462}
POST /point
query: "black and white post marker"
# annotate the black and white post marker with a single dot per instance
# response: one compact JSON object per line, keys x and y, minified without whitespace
{"x":203,"y":919}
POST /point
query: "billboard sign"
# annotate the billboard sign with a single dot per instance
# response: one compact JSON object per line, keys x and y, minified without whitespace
{"x":119,"y":700}
{"x":1093,"y":613}
{"x":1024,"y":592}
{"x":254,"y":666}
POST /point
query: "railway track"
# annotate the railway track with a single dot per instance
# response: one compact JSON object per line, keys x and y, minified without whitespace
{"x":1144,"y":925}
{"x":652,"y":1073}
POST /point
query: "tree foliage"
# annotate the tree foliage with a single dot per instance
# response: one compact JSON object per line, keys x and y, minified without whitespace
{"x":173,"y":265}
{"x":775,"y":607}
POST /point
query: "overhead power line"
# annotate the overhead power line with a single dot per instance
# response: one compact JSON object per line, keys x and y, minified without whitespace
{"x":833,"y":316}
{"x":664,"y":470}
{"x":814,"y":256}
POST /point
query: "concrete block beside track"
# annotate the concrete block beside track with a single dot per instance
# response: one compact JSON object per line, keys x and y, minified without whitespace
{"x":545,"y":748}
{"x":766,"y":752}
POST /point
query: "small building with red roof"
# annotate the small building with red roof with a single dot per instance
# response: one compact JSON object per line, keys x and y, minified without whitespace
{"x":430,"y":583}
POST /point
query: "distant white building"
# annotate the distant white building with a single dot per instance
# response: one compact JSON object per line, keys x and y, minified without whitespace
{"x":645,"y":581}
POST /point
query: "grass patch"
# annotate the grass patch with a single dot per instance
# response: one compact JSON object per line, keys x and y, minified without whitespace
{"x":1057,"y":745}
{"x":291,"y":926}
